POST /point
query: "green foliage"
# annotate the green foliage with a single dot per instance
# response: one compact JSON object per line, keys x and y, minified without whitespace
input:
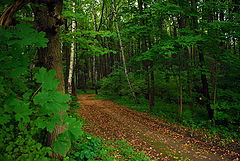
{"x":92,"y":148}
{"x":28,"y":113}
{"x":86,"y":148}
{"x":123,"y":151}
{"x":116,"y":83}
{"x":3,"y":3}
{"x":166,"y":85}
{"x":16,"y":47}
{"x":21,"y":146}
{"x":162,"y":32}
{"x":113,"y":83}
{"x":87,"y":40}
{"x":52,"y":104}
{"x":19,"y":135}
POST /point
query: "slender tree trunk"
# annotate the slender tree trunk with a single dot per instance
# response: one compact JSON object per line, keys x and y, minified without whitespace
{"x":95,"y":74}
{"x":151,"y":82}
{"x":205,"y":86}
{"x":148,"y":64}
{"x":72,"y":54}
{"x":123,"y":57}
{"x":204,"y":81}
{"x":180,"y":104}
{"x":143,"y":47}
{"x":66,"y":50}
{"x":96,"y":28}
{"x":182,"y":24}
{"x":151,"y":90}
{"x":189,"y":76}
{"x":205,"y":90}
{"x":74,"y":80}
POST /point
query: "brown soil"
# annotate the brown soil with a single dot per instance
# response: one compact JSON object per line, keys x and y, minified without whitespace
{"x":160,"y":140}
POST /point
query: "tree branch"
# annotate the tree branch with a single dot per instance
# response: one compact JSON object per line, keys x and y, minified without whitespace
{"x":7,"y":18}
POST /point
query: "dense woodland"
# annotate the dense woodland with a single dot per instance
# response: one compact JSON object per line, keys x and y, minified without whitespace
{"x":178,"y":60}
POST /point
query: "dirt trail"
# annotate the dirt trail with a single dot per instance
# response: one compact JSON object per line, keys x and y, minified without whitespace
{"x":156,"y":137}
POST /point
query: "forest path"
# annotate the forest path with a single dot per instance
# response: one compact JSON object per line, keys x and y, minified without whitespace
{"x":156,"y":137}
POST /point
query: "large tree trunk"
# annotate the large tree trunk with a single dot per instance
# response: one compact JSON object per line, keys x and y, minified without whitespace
{"x":48,"y":19}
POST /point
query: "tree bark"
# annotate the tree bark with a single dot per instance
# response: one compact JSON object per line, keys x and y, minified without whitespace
{"x":205,"y":90}
{"x":147,"y":64}
{"x":48,"y":19}
{"x":123,"y":57}
{"x":180,"y":104}
{"x":72,"y":54}
{"x":151,"y":90}
{"x":181,"y":24}
{"x":189,"y":76}
{"x":205,"y":86}
{"x":95,"y":72}
{"x":7,"y":18}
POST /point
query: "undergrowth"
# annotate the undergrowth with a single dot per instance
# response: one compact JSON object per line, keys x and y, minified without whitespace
{"x":89,"y":91}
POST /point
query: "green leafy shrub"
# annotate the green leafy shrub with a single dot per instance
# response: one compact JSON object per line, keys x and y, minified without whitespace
{"x":91,"y":148}
{"x":116,"y":84}
{"x":126,"y":152}
{"x":30,"y":105}
{"x":85,"y":148}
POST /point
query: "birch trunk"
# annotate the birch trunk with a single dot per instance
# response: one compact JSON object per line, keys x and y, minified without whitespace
{"x":123,"y":57}
{"x":72,"y":54}
{"x":95,"y":73}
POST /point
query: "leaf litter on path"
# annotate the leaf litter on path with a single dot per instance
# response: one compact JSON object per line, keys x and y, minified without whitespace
{"x":160,"y":140}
